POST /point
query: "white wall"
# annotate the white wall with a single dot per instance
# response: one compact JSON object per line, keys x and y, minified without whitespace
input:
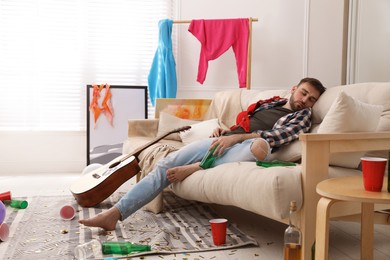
{"x":328,"y":38}
{"x":277,"y":45}
{"x":42,"y":152}
{"x":292,"y":39}
{"x":370,"y":41}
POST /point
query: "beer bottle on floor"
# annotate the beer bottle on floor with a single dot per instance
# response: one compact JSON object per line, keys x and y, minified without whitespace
{"x":123,"y":248}
{"x":292,"y":236}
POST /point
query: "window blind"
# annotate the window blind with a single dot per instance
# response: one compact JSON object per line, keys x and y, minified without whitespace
{"x":51,"y":49}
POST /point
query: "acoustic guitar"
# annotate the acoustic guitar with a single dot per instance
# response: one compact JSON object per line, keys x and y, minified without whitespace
{"x":97,"y":185}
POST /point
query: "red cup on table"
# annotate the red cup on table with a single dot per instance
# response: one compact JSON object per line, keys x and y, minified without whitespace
{"x":218,"y":230}
{"x":373,"y":169}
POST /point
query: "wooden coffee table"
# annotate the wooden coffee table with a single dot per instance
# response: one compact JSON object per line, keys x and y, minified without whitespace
{"x":347,"y":189}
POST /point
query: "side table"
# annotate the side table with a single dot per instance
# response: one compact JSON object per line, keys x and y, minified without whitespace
{"x":347,"y":189}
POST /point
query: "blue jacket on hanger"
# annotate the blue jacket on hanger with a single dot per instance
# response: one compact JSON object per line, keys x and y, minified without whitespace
{"x":162,"y":82}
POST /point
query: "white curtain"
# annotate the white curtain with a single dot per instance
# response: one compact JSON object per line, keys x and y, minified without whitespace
{"x":51,"y":49}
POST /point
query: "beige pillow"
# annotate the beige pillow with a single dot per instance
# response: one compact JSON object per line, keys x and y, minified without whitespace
{"x":199,"y":131}
{"x":169,"y":122}
{"x":348,"y":114}
{"x":291,"y":152}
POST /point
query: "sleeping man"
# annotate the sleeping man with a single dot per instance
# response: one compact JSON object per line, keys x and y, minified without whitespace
{"x":265,"y":125}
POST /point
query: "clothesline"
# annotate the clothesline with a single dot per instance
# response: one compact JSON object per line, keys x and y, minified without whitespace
{"x":249,"y":62}
{"x":189,"y":21}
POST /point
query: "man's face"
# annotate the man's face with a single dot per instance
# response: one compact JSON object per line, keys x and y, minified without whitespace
{"x":303,"y":96}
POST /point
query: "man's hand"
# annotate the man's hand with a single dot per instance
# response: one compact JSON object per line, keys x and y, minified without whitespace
{"x":217,"y":132}
{"x":223,"y":142}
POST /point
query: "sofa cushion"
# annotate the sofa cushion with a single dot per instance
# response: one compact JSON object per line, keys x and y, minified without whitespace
{"x":199,"y":131}
{"x":265,"y":191}
{"x":249,"y":97}
{"x":169,"y":122}
{"x":225,"y":106}
{"x":288,"y":153}
{"x":375,"y":93}
{"x":348,"y":114}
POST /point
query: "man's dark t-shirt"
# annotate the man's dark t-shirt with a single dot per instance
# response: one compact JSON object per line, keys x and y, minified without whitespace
{"x":263,"y":120}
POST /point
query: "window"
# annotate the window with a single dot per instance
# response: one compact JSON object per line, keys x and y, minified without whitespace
{"x":51,"y":49}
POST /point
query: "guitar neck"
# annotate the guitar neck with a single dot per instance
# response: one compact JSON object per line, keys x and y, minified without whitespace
{"x":143,"y":147}
{"x":152,"y":142}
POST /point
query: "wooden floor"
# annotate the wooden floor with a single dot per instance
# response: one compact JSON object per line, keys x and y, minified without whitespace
{"x":344,"y":236}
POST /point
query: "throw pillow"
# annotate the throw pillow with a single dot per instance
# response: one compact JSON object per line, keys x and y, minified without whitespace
{"x":289,"y":153}
{"x":199,"y":131}
{"x":348,"y":114}
{"x":167,"y":123}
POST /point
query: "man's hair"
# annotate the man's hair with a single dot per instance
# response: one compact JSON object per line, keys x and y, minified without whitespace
{"x":315,"y":83}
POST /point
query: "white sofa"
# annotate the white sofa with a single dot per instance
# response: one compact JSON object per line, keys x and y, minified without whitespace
{"x":329,"y":150}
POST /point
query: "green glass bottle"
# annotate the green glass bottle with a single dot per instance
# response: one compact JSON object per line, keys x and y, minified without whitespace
{"x":19,"y":204}
{"x":208,"y":159}
{"x":123,"y":248}
{"x":273,"y":163}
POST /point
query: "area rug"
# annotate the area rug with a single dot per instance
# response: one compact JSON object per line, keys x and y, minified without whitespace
{"x":38,"y":232}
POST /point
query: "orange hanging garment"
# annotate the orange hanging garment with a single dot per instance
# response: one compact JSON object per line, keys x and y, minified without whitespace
{"x":106,"y":107}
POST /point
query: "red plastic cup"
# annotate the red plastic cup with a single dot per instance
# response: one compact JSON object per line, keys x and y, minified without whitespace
{"x":4,"y":232}
{"x":218,"y":230}
{"x":5,"y":196}
{"x":373,"y":169}
{"x":67,"y":212}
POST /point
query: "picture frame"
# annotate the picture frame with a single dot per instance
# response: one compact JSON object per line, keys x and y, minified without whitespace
{"x":105,"y":141}
{"x":193,"y":109}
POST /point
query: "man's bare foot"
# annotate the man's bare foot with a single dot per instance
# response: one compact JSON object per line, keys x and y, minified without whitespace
{"x":106,"y":220}
{"x":179,"y":173}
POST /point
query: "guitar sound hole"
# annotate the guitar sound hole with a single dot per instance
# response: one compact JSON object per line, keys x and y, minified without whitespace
{"x":115,"y":164}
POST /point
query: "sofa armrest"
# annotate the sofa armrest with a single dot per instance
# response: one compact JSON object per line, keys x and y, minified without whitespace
{"x":142,"y":127}
{"x":316,"y":150}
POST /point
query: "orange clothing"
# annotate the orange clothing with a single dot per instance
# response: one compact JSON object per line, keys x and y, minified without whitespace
{"x":106,"y":107}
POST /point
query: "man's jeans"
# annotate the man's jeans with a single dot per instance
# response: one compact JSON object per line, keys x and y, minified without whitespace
{"x":156,"y":181}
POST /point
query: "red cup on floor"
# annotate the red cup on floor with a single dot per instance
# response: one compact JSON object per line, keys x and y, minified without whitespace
{"x":218,"y":230}
{"x":5,"y":196}
{"x":373,"y":169}
{"x":4,"y":232}
{"x":67,"y":212}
